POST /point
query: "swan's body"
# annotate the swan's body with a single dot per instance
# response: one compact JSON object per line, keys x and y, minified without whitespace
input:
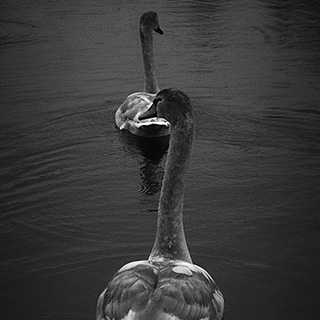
{"x":127,"y":115}
{"x":167,"y":286}
{"x":154,"y":290}
{"x":136,"y":104}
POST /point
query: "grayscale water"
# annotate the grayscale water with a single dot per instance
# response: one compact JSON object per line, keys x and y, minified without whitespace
{"x":79,"y":198}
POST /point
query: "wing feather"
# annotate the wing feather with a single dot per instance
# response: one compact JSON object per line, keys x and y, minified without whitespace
{"x":189,"y":295}
{"x":129,"y":289}
{"x":161,"y":290}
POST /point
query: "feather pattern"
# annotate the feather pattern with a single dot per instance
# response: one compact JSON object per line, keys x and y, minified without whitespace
{"x":136,"y":104}
{"x":157,"y":290}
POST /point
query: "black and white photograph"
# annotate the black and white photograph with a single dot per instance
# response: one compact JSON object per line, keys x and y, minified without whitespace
{"x":160,"y":160}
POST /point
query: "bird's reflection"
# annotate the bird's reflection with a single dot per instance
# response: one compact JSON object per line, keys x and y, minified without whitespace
{"x":150,"y":152}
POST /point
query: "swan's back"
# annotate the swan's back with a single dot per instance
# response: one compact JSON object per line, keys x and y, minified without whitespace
{"x":172,"y":290}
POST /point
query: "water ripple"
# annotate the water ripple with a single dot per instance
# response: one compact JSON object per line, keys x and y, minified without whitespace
{"x":15,"y":32}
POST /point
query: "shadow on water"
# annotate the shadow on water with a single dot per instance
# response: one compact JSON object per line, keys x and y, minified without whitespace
{"x":152,"y":149}
{"x":150,"y":152}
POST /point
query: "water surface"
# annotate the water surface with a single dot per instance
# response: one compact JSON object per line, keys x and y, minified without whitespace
{"x":79,"y":198}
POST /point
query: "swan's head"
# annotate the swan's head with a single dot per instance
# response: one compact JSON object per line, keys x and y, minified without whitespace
{"x":172,"y":105}
{"x":150,"y":21}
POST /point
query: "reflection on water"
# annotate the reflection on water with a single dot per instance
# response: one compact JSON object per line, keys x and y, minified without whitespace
{"x":152,"y":151}
{"x":79,"y":197}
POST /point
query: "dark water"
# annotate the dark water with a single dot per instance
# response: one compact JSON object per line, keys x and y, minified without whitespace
{"x":79,"y":199}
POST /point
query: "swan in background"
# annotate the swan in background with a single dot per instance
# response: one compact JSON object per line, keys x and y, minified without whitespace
{"x":128,"y":114}
{"x":167,"y":286}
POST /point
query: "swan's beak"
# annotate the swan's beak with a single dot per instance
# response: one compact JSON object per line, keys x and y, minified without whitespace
{"x":150,"y":113}
{"x":158,"y":30}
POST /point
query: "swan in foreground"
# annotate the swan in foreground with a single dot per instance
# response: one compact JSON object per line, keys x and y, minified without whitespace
{"x":128,"y":114}
{"x":167,"y":286}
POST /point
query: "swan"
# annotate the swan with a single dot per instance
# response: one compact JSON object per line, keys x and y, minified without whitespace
{"x":167,"y":286}
{"x":127,"y":115}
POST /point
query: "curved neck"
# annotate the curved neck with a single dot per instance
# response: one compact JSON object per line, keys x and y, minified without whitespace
{"x":170,"y":240}
{"x":146,"y":38}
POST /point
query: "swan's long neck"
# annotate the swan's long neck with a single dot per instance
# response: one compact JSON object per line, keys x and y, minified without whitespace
{"x":170,"y":240}
{"x":151,"y":85}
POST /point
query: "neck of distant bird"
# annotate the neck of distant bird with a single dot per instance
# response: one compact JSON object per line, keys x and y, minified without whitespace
{"x":151,"y":85}
{"x":170,"y":240}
